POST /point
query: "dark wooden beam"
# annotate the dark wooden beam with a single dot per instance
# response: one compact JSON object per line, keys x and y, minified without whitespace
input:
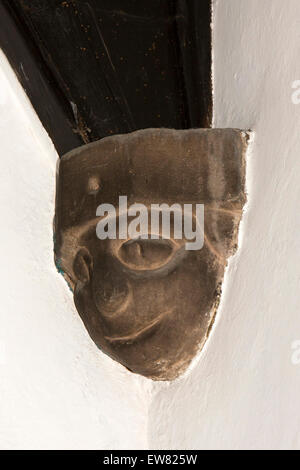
{"x":103,"y":67}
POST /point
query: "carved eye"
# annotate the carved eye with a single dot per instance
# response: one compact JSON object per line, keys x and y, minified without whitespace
{"x":146,"y":254}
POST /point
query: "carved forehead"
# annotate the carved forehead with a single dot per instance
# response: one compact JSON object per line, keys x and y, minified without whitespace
{"x":155,"y":165}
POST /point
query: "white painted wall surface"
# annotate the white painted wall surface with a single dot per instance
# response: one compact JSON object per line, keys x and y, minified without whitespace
{"x":244,"y":391}
{"x":57,"y":391}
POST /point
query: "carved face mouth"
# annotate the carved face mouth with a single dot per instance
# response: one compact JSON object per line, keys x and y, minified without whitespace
{"x":141,"y":333}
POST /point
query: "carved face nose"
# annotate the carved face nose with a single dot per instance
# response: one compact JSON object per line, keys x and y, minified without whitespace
{"x":150,"y":304}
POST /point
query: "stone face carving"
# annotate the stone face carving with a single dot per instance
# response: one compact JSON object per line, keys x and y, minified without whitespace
{"x":150,"y":304}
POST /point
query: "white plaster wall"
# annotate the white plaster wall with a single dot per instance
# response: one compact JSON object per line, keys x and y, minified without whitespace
{"x":243,"y":393}
{"x":57,"y":390}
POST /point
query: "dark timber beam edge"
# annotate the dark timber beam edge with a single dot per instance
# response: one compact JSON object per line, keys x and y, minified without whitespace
{"x":104,"y":67}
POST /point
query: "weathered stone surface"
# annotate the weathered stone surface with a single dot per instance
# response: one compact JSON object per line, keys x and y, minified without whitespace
{"x":149,"y":304}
